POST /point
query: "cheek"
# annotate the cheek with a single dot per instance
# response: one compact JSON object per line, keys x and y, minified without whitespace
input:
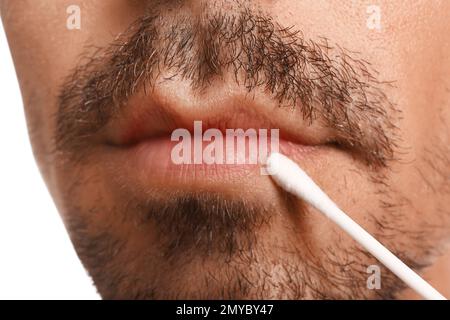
{"x":40,"y":105}
{"x":45,"y":51}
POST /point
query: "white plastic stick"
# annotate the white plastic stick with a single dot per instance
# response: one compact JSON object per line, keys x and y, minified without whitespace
{"x":288,"y":175}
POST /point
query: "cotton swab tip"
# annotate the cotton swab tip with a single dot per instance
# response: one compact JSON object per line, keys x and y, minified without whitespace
{"x":289,"y":176}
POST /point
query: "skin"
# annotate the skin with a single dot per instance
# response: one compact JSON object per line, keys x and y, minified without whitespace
{"x":411,"y":49}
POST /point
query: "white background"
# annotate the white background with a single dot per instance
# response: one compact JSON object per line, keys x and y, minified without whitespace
{"x":37,"y":260}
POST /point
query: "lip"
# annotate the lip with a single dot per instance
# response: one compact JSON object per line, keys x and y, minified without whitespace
{"x":159,"y":113}
{"x":148,"y":164}
{"x":140,"y":138}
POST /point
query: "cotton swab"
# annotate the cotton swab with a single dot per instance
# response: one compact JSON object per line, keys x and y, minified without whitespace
{"x":288,"y":175}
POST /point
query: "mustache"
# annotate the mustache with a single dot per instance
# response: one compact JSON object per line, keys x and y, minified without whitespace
{"x":327,"y":83}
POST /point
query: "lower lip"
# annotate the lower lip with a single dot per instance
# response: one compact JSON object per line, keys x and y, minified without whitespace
{"x":151,"y":160}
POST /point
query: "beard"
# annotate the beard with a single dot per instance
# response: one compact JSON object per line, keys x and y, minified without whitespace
{"x":191,"y":245}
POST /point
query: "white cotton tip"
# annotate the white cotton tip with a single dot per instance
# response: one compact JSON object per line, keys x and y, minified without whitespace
{"x":288,"y":175}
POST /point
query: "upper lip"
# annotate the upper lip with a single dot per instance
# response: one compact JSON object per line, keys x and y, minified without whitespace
{"x":148,"y":116}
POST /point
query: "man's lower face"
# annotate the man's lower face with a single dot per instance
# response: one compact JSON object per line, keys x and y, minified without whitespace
{"x":209,"y":238}
{"x":146,"y":227}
